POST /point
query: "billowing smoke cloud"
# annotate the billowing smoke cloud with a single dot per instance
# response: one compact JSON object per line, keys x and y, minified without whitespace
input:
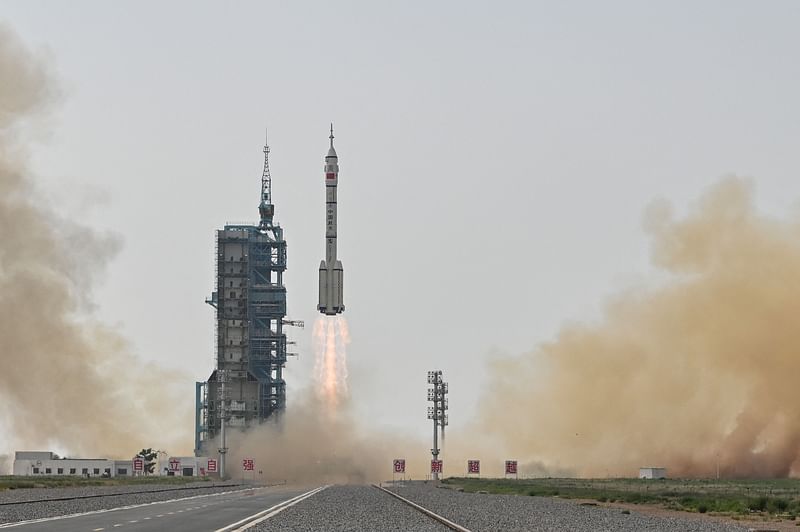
{"x":319,"y":439}
{"x":312,"y":446}
{"x":701,"y":369}
{"x":65,"y":382}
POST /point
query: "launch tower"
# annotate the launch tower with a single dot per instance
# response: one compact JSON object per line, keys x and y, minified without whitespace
{"x":250,"y":303}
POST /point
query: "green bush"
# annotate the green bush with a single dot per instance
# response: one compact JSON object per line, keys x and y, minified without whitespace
{"x":777,"y":505}
{"x":757,"y":505}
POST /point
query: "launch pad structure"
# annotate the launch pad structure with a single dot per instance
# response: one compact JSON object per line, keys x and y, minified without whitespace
{"x":251,"y":346}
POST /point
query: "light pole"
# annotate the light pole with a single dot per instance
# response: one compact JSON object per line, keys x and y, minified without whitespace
{"x":222,"y":376}
{"x":437,"y":412}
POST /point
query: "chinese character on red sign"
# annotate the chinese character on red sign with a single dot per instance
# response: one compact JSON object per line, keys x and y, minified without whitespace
{"x":399,"y":465}
{"x":473,"y":466}
{"x":138,"y":464}
{"x":212,"y":465}
{"x":511,"y":467}
{"x":248,"y":464}
{"x":174,"y":464}
{"x":436,"y":466}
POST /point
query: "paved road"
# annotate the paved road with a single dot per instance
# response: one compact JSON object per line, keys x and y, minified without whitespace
{"x":200,"y":513}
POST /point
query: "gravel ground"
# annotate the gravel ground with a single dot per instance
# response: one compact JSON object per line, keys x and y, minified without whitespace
{"x":144,"y":494}
{"x":479,"y":512}
{"x":350,"y":508}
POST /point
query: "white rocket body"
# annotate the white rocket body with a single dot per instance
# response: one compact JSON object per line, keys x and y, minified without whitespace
{"x":331,"y":273}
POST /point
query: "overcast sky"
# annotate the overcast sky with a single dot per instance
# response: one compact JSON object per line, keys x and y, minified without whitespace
{"x":496,"y":159}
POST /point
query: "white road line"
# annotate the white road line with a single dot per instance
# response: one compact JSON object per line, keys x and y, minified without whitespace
{"x":98,"y":529}
{"x":247,"y":522}
{"x":118,"y":524}
{"x":279,"y":510}
{"x":160,"y":515}
{"x":134,"y":521}
{"x":147,"y":518}
{"x":57,"y":518}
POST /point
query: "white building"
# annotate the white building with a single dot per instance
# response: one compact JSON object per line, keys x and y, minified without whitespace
{"x":188,"y":466}
{"x":653,"y":472}
{"x":47,"y":463}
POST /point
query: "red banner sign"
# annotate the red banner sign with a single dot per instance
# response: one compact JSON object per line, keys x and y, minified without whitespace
{"x":248,"y":464}
{"x":138,"y":464}
{"x":474,"y":466}
{"x":174,"y":464}
{"x":436,"y":466}
{"x":212,"y":465}
{"x":511,"y":467}
{"x":399,"y":465}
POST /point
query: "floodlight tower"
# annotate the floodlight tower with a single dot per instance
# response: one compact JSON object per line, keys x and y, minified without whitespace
{"x":437,"y":412}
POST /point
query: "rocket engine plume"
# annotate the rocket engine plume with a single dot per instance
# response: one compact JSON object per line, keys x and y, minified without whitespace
{"x":331,"y":336}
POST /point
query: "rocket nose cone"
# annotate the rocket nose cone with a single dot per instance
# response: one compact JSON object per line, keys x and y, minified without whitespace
{"x":332,"y":152}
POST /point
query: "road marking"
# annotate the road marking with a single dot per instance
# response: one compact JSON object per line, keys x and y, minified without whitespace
{"x":160,"y":515}
{"x":134,"y":521}
{"x":118,"y":524}
{"x":98,"y":529}
{"x":129,"y":507}
{"x":254,"y":519}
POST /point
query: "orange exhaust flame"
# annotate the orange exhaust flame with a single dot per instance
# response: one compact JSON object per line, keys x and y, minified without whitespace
{"x":331,"y":336}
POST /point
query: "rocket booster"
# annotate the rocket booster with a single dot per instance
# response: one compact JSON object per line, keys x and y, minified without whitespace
{"x":331,"y":273}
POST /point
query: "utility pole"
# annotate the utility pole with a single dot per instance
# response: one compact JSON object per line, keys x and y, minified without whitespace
{"x":222,"y":376}
{"x":437,"y":412}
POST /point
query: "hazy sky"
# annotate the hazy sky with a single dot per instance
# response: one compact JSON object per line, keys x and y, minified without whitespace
{"x":496,"y":159}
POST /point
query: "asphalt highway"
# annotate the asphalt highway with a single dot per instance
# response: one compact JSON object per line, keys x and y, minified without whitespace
{"x":223,"y":512}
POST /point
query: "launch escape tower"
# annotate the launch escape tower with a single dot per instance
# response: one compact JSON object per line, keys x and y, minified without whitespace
{"x":250,"y":303}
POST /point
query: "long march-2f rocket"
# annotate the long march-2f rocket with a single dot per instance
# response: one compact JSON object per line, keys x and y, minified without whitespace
{"x":331,"y":273}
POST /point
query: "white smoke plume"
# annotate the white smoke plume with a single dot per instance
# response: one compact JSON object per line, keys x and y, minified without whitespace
{"x":66,"y":380}
{"x":700,"y":369}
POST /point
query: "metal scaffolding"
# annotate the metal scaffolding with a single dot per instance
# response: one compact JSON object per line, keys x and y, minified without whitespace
{"x":250,"y":303}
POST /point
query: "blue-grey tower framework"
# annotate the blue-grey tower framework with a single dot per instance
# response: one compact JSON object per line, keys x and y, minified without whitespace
{"x":250,"y":303}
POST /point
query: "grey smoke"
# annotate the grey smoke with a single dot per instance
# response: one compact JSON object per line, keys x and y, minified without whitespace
{"x":67,"y":380}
